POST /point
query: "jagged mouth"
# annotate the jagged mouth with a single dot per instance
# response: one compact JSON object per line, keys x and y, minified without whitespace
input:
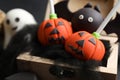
{"x":76,"y":50}
{"x":54,"y":40}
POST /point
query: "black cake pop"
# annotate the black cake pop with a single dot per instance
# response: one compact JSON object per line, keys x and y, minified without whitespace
{"x":87,"y":18}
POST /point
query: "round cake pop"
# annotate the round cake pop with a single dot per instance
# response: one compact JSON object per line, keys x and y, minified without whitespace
{"x":55,"y":30}
{"x":85,"y":46}
{"x":15,"y":20}
{"x":87,"y":19}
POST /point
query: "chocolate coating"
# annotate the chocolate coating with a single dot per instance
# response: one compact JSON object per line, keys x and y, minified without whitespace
{"x":86,"y":19}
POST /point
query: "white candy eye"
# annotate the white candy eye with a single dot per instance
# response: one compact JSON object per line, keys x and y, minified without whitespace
{"x":90,"y":19}
{"x":81,"y":17}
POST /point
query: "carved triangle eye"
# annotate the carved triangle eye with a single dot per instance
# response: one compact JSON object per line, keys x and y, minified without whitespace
{"x":92,"y":40}
{"x":48,"y":25}
{"x":80,"y":43}
{"x":54,"y":31}
{"x":81,"y":33}
{"x":60,"y":23}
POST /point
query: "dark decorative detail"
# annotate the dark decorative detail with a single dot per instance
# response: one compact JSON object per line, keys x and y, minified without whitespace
{"x":77,"y":51}
{"x":81,"y":33}
{"x":53,"y":40}
{"x":48,"y":25}
{"x":80,"y":43}
{"x":62,"y":38}
{"x":92,"y":40}
{"x":14,"y":28}
{"x":60,"y":23}
{"x":17,"y":19}
{"x":97,"y":8}
{"x":54,"y":31}
{"x":89,"y":5}
{"x":8,"y":21}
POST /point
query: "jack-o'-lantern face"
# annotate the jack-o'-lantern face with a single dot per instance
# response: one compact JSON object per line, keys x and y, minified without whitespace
{"x":84,"y":46}
{"x":54,"y":31}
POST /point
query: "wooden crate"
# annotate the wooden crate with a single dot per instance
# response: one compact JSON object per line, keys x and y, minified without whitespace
{"x":41,"y":66}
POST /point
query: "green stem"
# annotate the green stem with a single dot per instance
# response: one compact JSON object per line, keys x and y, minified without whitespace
{"x":53,"y":16}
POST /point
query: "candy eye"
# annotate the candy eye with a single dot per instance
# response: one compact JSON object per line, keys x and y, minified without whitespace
{"x":17,"y":19}
{"x":90,"y":19}
{"x":7,"y":21}
{"x":81,"y":17}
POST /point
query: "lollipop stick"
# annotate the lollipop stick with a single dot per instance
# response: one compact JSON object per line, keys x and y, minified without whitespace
{"x":52,"y":13}
{"x":109,"y":16}
{"x":52,"y":7}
